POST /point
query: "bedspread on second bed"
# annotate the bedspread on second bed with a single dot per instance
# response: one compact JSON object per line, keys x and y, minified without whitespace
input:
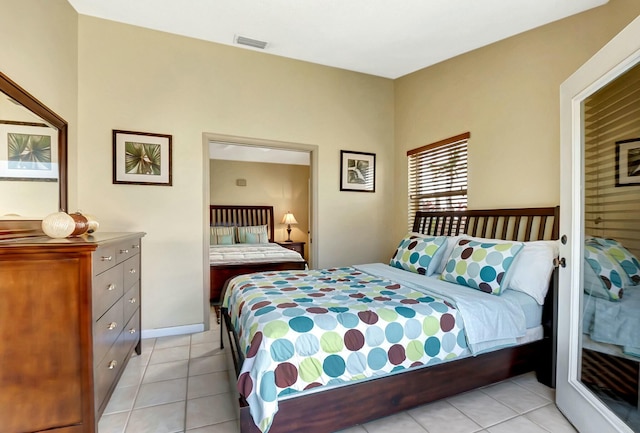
{"x":303,"y":329}
{"x":251,"y":253}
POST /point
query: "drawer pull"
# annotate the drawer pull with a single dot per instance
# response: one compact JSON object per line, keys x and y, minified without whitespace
{"x":132,"y":300}
{"x":112,"y":364}
{"x":124,"y":251}
{"x":112,"y":326}
{"x":106,"y":258}
{"x":136,"y":246}
{"x":132,"y":271}
{"x":111,"y":287}
{"x":132,"y":331}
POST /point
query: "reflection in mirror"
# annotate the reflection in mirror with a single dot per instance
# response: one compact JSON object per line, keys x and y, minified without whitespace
{"x":611,"y":277}
{"x":33,"y":142}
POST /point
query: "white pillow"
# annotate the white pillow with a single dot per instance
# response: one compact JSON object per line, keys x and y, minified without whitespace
{"x":532,"y":269}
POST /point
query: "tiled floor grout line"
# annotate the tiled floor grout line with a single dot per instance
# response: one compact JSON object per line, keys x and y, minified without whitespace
{"x":146,"y":366}
{"x":139,"y":384}
{"x":186,"y":396}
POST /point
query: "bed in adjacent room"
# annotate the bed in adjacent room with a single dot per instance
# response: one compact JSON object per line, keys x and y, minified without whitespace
{"x":465,"y":301}
{"x":241,"y":242}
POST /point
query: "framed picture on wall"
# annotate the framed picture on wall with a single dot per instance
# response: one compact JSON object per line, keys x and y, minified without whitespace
{"x":141,"y":158}
{"x":357,"y":171}
{"x":28,"y":152}
{"x":628,"y":162}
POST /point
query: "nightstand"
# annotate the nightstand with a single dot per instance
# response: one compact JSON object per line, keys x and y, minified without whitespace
{"x":295,"y":246}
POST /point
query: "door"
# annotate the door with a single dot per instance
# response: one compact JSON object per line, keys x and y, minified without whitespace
{"x":580,"y":402}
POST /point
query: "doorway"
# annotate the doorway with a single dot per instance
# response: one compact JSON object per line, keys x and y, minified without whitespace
{"x":253,"y":144}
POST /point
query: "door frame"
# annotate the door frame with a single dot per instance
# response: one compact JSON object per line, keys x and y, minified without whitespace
{"x":256,"y":142}
{"x":572,"y":397}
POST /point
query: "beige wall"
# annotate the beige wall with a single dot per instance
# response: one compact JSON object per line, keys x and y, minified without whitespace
{"x":142,"y":80}
{"x":507,"y":95}
{"x":39,"y":53}
{"x":101,"y":76}
{"x":283,"y":186}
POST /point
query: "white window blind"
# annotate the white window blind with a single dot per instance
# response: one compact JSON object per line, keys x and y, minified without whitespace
{"x":438,"y":176}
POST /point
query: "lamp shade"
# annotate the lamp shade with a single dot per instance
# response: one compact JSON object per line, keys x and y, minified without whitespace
{"x":288,"y":218}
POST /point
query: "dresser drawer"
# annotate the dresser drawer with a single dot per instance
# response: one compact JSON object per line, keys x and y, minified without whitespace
{"x":131,"y":301}
{"x":107,"y":371}
{"x":131,"y":332}
{"x":127,"y":249}
{"x":108,"y":287}
{"x":131,"y":271}
{"x":104,"y":258}
{"x":106,"y":331}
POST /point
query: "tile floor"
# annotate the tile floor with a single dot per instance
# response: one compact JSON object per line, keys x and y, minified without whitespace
{"x":180,"y":385}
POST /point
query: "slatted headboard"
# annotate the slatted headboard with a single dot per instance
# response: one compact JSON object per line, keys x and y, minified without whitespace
{"x":509,"y":224}
{"x":242,"y":216}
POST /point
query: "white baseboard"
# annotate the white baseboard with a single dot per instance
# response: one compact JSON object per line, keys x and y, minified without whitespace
{"x":174,"y":330}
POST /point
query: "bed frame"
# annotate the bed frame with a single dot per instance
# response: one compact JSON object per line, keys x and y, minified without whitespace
{"x":332,"y":410}
{"x":240,"y":216}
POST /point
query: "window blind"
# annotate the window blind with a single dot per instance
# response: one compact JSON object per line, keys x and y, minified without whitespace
{"x":438,"y":176}
{"x":612,"y":115}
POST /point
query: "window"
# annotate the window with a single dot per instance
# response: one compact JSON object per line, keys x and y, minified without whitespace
{"x":438,"y":176}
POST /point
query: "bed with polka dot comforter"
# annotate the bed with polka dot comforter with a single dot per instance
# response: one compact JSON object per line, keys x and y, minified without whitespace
{"x":300,"y":330}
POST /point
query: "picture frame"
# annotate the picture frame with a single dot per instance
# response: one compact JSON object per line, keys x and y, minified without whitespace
{"x":357,"y":171}
{"x":28,"y":152}
{"x":141,"y":158}
{"x":628,"y":162}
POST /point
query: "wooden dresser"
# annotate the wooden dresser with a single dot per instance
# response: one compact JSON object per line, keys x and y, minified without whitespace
{"x":69,"y":321}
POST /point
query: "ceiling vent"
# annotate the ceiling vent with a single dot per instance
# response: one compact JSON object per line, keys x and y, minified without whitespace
{"x":250,"y":42}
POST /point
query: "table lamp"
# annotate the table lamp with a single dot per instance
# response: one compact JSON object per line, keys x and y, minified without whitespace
{"x":289,"y":219}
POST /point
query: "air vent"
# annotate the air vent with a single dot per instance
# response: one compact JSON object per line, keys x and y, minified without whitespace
{"x":250,"y":42}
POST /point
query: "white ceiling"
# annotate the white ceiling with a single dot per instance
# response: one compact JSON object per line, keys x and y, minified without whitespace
{"x":241,"y":152}
{"x":387,"y":38}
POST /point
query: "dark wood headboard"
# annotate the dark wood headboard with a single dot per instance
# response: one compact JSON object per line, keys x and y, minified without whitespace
{"x":242,"y":216}
{"x":526,"y":224}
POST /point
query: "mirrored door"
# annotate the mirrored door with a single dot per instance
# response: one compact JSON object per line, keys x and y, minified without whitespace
{"x":597,"y":380}
{"x":610,"y":354}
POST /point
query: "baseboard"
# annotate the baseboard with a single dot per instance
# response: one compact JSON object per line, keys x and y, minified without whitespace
{"x":174,"y":330}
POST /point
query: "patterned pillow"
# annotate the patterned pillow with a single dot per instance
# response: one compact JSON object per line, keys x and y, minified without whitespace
{"x":256,"y":238}
{"x":481,"y":265}
{"x":607,"y":268}
{"x":418,"y":254}
{"x":624,"y":257}
{"x":222,"y":235}
{"x":592,"y":284}
{"x":259,"y":230}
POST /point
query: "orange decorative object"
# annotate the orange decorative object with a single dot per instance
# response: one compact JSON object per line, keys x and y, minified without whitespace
{"x":81,"y":224}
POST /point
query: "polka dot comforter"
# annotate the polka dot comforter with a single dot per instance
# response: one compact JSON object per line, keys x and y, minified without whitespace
{"x":304,"y":329}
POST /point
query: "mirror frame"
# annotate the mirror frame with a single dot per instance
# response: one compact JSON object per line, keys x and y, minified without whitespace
{"x":23,"y":97}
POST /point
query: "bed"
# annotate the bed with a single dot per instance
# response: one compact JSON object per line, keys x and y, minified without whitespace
{"x":611,"y":319}
{"x":227,"y":261}
{"x":406,"y":386}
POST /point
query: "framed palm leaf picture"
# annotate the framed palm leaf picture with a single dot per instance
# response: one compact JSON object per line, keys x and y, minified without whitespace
{"x":357,"y":171}
{"x":28,"y":152}
{"x":141,"y":158}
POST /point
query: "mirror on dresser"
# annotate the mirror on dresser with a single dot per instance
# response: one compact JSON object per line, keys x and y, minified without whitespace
{"x":33,"y":161}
